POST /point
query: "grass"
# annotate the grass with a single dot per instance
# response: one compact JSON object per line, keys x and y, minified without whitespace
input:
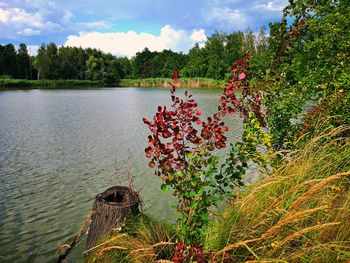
{"x":299,"y":214}
{"x":24,"y":83}
{"x":163,"y":82}
{"x":6,"y":83}
{"x":142,"y":239}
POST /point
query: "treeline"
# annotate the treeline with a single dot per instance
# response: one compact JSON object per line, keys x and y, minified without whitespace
{"x":210,"y":61}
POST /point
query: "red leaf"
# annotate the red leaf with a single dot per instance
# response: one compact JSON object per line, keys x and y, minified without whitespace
{"x":235,"y":101}
{"x":151,"y":164}
{"x":241,"y":76}
{"x":228,"y":92}
{"x":224,"y":129}
{"x":198,"y":112}
{"x":148,"y":150}
{"x":231,"y":111}
{"x":146,"y":121}
{"x":175,"y":75}
{"x":179,"y":136}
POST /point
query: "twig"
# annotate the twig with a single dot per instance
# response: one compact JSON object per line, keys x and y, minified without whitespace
{"x":144,"y":184}
{"x":69,"y":247}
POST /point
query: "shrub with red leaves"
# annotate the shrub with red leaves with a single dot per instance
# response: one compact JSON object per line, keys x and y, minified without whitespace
{"x":190,"y":253}
{"x":180,"y":148}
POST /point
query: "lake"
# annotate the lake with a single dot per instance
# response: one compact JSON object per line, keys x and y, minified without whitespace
{"x":59,"y":148}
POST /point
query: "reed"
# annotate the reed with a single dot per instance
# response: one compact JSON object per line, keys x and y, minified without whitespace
{"x":305,"y":204}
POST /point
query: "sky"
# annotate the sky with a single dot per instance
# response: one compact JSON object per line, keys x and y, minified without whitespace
{"x":124,"y":27}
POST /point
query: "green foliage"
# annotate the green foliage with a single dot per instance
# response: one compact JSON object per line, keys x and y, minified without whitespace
{"x":24,"y":70}
{"x":198,"y":190}
{"x":255,"y":147}
{"x":284,"y":104}
{"x":210,"y":61}
{"x":47,"y":84}
{"x":215,"y":51}
{"x":8,"y":60}
{"x":196,"y":65}
{"x":147,"y":64}
{"x":310,"y":66}
{"x":47,"y":62}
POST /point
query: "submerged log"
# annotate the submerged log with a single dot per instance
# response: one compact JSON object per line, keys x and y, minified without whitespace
{"x":111,"y":208}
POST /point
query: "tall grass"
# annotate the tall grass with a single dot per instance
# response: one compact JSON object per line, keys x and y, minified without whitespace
{"x":149,"y":82}
{"x":164,"y":82}
{"x":142,"y":239}
{"x":299,"y":214}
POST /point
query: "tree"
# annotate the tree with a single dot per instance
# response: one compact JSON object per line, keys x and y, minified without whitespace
{"x":216,"y":56}
{"x":8,"y":61}
{"x":23,"y":62}
{"x":47,"y":62}
{"x":197,"y":65}
{"x":125,"y":67}
{"x":261,"y":56}
{"x":93,"y":68}
{"x":249,"y":42}
{"x":234,"y":46}
{"x":141,"y":64}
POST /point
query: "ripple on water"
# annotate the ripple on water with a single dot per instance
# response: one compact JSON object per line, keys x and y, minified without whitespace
{"x":58,"y":149}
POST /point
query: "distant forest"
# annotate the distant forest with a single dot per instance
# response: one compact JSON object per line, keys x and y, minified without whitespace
{"x":213,"y":60}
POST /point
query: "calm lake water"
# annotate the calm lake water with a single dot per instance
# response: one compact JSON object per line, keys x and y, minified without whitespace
{"x":59,"y":148}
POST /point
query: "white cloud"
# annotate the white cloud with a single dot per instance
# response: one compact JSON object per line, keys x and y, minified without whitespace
{"x":129,"y":43}
{"x":274,"y":6}
{"x":33,"y":49}
{"x":29,"y":32}
{"x":20,"y":16}
{"x":17,"y":21}
{"x":227,"y":18}
{"x":4,"y":15}
{"x":94,"y":24}
{"x":198,"y":36}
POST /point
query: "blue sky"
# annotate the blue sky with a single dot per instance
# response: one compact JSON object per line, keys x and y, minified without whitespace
{"x":124,"y":27}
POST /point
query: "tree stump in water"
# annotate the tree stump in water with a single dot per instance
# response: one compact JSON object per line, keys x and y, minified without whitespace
{"x":111,"y":208}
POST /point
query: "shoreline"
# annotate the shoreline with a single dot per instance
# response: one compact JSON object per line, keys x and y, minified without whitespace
{"x":149,"y":82}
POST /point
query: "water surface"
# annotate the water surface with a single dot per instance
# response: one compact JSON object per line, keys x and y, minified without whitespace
{"x":59,"y":148}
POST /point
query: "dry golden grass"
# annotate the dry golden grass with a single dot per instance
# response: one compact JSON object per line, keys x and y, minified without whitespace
{"x":301,"y":212}
{"x":142,"y":240}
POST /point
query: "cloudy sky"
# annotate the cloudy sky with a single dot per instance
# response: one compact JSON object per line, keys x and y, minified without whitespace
{"x":123,"y":27}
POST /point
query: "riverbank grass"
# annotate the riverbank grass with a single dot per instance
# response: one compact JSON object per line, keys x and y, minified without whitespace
{"x":164,"y":82}
{"x":46,"y":84}
{"x":142,"y":239}
{"x":6,"y":83}
{"x":301,"y":213}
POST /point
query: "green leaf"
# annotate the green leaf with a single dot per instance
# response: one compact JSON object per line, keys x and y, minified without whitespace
{"x":164,"y":188}
{"x":204,"y":216}
{"x":189,"y":155}
{"x":201,"y":191}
